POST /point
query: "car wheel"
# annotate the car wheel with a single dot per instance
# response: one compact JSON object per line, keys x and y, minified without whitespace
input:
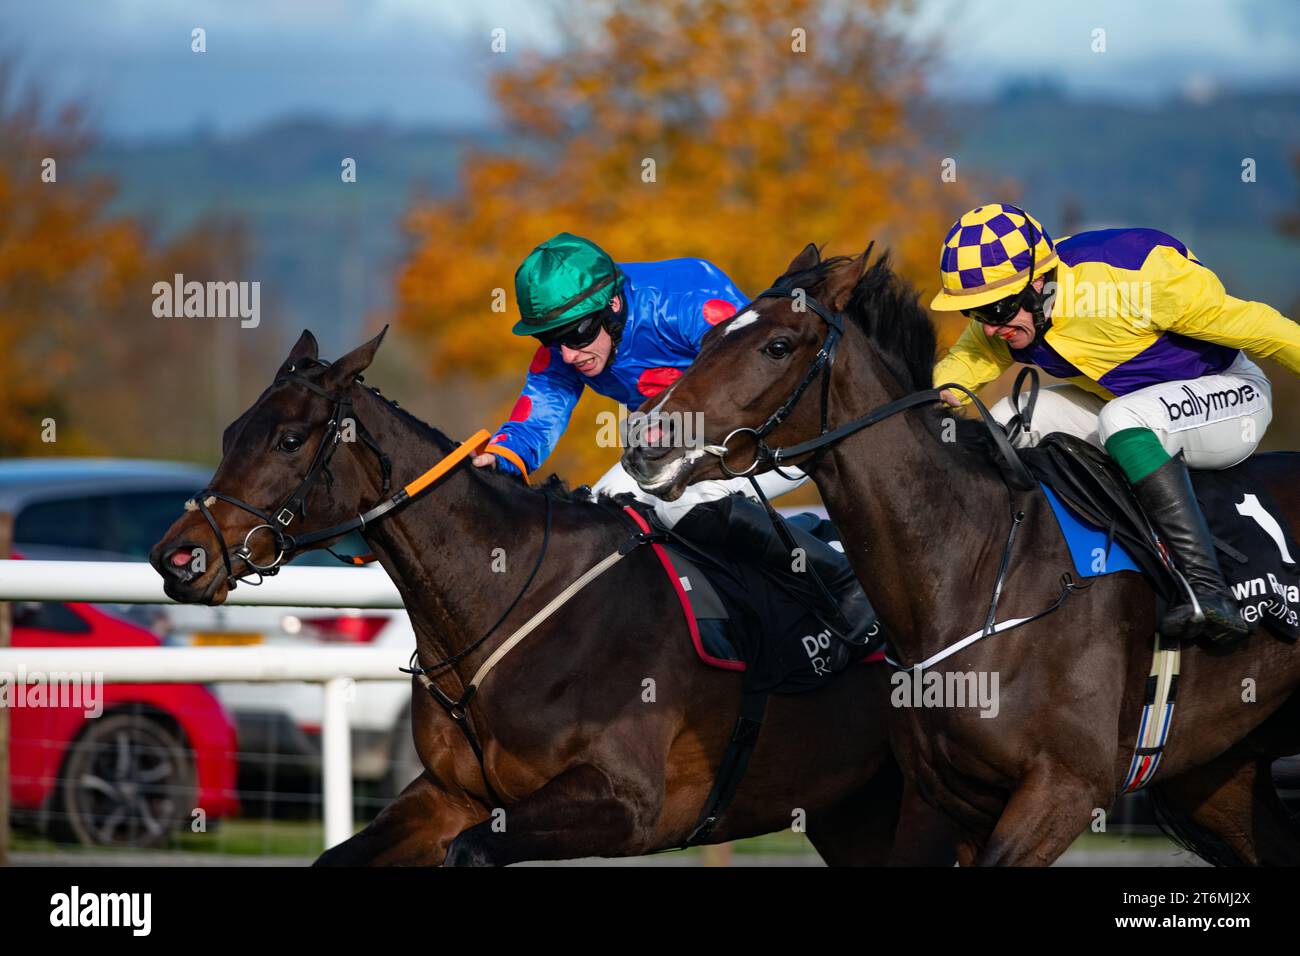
{"x":127,"y":781}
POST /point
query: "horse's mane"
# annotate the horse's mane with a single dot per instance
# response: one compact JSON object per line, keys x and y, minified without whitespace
{"x":553,"y":487}
{"x":887,"y":308}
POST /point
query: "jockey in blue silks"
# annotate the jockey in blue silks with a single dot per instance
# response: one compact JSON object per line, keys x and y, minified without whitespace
{"x":625,"y":330}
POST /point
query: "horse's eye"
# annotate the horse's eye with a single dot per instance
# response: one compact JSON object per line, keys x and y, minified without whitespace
{"x":290,"y":442}
{"x":777,"y":348}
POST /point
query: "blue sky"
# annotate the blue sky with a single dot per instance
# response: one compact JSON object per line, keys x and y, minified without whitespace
{"x":427,"y":61}
{"x":1154,"y":48}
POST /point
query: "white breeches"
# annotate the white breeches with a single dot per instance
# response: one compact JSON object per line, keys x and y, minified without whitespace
{"x":616,"y":481}
{"x":1215,"y":421}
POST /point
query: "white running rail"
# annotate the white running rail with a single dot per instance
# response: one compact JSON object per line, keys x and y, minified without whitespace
{"x":128,"y":583}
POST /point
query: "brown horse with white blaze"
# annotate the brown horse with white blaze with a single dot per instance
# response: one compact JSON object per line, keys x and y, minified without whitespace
{"x":925,"y":519}
{"x":584,"y":760}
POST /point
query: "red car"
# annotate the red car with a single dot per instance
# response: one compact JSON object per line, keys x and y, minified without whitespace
{"x":135,"y":773}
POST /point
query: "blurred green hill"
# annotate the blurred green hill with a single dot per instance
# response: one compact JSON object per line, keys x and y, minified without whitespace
{"x":326,"y":251}
{"x":1176,"y":167}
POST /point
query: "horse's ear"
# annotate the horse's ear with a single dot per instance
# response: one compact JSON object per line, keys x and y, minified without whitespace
{"x":305,"y":349}
{"x":345,"y":371}
{"x":809,"y":258}
{"x":838,"y":284}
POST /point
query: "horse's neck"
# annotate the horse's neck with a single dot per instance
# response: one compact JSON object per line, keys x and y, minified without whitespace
{"x":441,"y":550}
{"x":917,"y":523}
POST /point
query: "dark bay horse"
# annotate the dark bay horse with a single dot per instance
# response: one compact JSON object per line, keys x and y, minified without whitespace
{"x":584,"y":759}
{"x":924,"y":517}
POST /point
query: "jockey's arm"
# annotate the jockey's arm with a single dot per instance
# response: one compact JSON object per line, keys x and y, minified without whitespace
{"x":1191,"y":301}
{"x":974,"y":360}
{"x":540,"y":415}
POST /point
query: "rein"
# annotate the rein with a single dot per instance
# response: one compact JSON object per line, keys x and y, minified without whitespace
{"x":1015,"y":475}
{"x":1013,"y":469}
{"x":294,"y":506}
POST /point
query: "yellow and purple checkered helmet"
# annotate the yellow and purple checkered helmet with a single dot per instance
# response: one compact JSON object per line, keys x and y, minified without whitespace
{"x":986,"y":256}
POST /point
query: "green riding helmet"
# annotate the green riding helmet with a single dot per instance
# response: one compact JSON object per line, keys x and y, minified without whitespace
{"x":563,"y":279}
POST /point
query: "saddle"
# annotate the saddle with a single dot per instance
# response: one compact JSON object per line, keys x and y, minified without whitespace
{"x":1087,"y":482}
{"x":1107,"y":531}
{"x":752,"y":611}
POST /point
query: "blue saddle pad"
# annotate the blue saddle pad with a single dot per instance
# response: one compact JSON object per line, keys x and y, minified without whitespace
{"x":1087,"y":542}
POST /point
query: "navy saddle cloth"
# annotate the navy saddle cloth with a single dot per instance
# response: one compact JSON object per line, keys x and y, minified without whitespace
{"x":745,"y":619}
{"x":1106,"y":531}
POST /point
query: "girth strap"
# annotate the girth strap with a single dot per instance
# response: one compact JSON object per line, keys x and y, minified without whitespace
{"x":460,"y":717}
{"x":744,"y":737}
{"x":458,"y":710}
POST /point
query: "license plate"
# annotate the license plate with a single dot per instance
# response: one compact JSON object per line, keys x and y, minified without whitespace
{"x":226,"y":639}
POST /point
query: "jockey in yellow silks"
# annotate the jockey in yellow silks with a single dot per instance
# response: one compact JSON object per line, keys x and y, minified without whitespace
{"x":1154,"y":350}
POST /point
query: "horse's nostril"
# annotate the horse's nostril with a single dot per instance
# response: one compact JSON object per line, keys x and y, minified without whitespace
{"x":180,"y":558}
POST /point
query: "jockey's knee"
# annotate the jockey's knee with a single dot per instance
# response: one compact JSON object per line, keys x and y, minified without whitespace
{"x":1118,"y":415}
{"x":616,"y":481}
{"x":1060,"y":408}
{"x":1003,"y":411}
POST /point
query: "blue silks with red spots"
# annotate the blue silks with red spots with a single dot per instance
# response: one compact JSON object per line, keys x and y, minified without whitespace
{"x":670,"y":307}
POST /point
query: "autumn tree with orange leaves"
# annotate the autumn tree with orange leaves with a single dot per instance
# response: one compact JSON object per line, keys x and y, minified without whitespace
{"x":59,"y":254}
{"x":83,"y":360}
{"x":733,"y":130}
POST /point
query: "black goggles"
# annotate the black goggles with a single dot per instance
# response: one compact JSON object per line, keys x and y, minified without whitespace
{"x":577,"y":336}
{"x":1000,"y":312}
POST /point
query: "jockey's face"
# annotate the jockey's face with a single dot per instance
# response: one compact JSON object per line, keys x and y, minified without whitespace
{"x":1018,"y":332}
{"x":591,"y":359}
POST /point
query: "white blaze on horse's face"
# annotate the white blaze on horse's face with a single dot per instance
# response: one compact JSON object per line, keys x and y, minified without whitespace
{"x":660,"y":403}
{"x":748,"y":317}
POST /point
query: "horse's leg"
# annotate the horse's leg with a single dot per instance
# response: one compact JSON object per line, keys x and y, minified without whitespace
{"x":413,"y":830}
{"x":576,"y":814}
{"x":1229,"y":813}
{"x":1048,"y":809}
{"x":859,"y":830}
{"x":924,"y":836}
{"x":883,"y":823}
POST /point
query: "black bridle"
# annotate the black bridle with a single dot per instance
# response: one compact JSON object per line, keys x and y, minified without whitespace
{"x":821,"y":365}
{"x":294,"y":506}
{"x":1015,"y":475}
{"x":277,"y":520}
{"x":1013,"y":469}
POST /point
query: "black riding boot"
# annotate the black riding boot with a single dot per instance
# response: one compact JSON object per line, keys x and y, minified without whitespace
{"x":1169,"y":501}
{"x":741,"y":527}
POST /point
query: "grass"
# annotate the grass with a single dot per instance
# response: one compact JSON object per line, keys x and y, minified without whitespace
{"x":303,"y":838}
{"x":287,"y":838}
